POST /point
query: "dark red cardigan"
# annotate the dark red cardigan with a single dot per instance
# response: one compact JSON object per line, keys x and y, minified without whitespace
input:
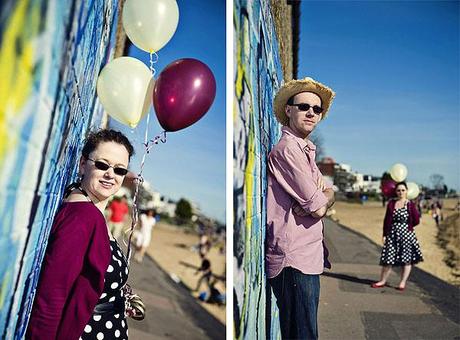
{"x":72,"y":274}
{"x":414,"y":217}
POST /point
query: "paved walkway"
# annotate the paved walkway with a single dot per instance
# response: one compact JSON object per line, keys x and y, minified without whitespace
{"x":350,"y":309}
{"x":172,"y":313}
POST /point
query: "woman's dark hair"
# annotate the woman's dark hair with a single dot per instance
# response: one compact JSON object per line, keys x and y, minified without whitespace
{"x":401,"y":183}
{"x":106,"y":135}
{"x":93,"y":139}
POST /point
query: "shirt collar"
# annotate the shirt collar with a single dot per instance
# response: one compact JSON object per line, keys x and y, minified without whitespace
{"x":305,"y":144}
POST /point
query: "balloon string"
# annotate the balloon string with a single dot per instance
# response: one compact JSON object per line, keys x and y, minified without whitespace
{"x":139,"y":180}
{"x":153,"y":71}
{"x":153,"y":61}
{"x":148,"y":144}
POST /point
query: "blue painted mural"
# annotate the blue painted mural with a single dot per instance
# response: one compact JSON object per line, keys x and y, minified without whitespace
{"x":257,"y":76}
{"x":51,"y":52}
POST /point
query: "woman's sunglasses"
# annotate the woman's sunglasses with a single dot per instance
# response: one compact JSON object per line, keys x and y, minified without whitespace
{"x":104,"y":167}
{"x":305,"y":107}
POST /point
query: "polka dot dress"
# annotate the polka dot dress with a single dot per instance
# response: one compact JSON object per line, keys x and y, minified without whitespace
{"x":401,"y":246}
{"x":110,"y":325}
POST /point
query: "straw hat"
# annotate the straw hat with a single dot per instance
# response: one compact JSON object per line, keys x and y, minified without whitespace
{"x":296,"y":86}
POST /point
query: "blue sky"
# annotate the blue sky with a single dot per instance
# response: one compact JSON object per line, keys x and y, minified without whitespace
{"x":192,"y":162}
{"x":395,"y":69}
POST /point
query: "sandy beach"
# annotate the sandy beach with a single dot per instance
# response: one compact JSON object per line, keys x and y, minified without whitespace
{"x":367,"y":219}
{"x":172,"y":248}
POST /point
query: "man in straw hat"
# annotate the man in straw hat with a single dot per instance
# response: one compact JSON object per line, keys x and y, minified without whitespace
{"x":297,"y":199}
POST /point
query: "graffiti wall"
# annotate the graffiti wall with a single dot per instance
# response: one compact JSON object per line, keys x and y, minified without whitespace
{"x":51,"y":52}
{"x":257,"y":76}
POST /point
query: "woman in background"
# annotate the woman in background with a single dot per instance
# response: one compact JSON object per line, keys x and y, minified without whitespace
{"x":400,"y":246}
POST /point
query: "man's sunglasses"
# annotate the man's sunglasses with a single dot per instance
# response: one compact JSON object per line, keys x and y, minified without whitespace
{"x":104,"y":167}
{"x":305,"y":107}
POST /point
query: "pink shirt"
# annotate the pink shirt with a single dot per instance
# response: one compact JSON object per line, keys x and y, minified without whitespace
{"x":293,"y":240}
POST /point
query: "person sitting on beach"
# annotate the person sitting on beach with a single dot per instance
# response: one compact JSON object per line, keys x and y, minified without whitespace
{"x":400,"y":245}
{"x":214,"y":296}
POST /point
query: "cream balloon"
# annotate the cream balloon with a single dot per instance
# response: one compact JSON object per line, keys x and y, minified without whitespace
{"x":398,"y":172}
{"x":412,"y":190}
{"x":150,"y":24}
{"x":125,"y":86}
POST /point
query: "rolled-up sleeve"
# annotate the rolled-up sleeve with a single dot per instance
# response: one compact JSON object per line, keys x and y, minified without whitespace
{"x":290,"y":168}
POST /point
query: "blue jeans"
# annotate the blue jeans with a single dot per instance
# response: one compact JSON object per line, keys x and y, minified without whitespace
{"x":297,"y":298}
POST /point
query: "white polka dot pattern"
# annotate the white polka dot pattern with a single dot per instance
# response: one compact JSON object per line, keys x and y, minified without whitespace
{"x":109,"y":325}
{"x":401,"y":246}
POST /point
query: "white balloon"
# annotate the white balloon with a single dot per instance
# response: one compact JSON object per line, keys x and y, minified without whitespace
{"x":150,"y":24}
{"x":125,"y":89}
{"x":412,"y":190}
{"x":398,"y":172}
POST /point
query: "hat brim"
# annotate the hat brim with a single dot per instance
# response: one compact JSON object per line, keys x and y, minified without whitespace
{"x":297,"y":86}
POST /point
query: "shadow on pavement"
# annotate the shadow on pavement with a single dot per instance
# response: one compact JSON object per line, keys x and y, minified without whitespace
{"x":349,"y":278}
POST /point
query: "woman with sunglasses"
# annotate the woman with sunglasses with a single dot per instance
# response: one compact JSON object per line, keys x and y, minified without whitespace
{"x":79,"y":294}
{"x":400,"y":246}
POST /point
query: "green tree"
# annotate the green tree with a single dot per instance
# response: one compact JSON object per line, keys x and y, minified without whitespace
{"x":438,"y":181}
{"x":184,"y":210}
{"x":344,"y":180}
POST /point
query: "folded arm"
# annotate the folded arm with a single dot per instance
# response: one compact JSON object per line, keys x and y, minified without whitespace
{"x":289,"y":171}
{"x":321,"y":212}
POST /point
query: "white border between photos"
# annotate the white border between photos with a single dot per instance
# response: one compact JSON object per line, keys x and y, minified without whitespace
{"x":229,"y":168}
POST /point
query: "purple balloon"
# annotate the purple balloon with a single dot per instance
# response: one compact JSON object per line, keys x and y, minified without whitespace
{"x":184,"y":92}
{"x":388,"y":187}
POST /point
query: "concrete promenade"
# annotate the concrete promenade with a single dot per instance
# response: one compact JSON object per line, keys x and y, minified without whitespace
{"x":172,"y":313}
{"x":350,"y":309}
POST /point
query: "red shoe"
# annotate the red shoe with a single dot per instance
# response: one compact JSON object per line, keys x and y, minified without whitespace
{"x":401,"y":289}
{"x":375,"y":285}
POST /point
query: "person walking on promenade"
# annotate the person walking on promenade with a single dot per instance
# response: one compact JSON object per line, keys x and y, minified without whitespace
{"x":204,"y":245}
{"x":297,"y":199}
{"x":79,"y":293}
{"x":436,"y":212}
{"x":118,"y":211}
{"x":206,"y":274}
{"x":147,"y":222}
{"x":400,"y":246}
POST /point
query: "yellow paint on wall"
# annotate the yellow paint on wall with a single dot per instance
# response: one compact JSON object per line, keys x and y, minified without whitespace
{"x":3,"y":291}
{"x":16,"y":70}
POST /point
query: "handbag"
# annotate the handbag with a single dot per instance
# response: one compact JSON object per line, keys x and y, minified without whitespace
{"x":134,"y":306}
